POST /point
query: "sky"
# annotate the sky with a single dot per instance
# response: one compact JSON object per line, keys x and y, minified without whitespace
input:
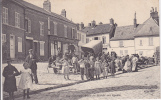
{"x":122,"y":11}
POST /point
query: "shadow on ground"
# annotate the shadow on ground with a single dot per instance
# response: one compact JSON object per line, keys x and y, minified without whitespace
{"x":75,"y":95}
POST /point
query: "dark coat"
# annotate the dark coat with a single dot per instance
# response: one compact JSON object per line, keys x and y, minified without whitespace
{"x":10,"y":82}
{"x":32,"y":62}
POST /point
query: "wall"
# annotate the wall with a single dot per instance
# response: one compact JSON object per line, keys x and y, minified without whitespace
{"x":127,"y":45}
{"x":106,"y":45}
{"x":146,"y":48}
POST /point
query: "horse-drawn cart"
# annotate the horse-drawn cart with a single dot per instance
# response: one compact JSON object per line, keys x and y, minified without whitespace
{"x":93,"y":47}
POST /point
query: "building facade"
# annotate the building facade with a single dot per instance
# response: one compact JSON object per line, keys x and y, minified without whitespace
{"x":137,"y":39}
{"x":81,"y":36}
{"x":12,"y":30}
{"x":147,"y":38}
{"x":103,"y":32}
{"x":36,"y":28}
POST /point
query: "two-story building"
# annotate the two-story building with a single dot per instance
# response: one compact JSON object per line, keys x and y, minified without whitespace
{"x":12,"y":30}
{"x":103,"y":32}
{"x":137,"y":39}
{"x":42,"y":30}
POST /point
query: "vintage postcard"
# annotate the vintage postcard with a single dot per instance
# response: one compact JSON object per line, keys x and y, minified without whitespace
{"x":80,"y":49}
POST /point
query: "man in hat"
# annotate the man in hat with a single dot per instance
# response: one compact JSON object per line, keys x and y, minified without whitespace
{"x":32,"y":60}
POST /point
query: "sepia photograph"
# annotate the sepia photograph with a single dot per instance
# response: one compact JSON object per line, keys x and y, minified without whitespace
{"x":80,"y":49}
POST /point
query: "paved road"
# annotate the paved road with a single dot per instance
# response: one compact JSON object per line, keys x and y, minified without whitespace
{"x":144,"y":84}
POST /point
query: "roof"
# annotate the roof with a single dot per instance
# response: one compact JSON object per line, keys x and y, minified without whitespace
{"x":123,"y":33}
{"x":98,"y":29}
{"x":148,"y":28}
{"x":34,"y":7}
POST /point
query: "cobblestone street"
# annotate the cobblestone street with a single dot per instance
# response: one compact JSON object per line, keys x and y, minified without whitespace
{"x":144,"y":84}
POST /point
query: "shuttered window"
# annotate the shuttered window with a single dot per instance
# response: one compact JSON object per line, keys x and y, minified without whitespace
{"x":5,"y":15}
{"x":19,"y":44}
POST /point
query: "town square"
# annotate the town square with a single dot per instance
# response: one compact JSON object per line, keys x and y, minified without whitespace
{"x":80,"y":50}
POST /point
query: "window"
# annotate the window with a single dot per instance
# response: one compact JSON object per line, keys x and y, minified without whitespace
{"x":3,"y":38}
{"x":126,"y":52}
{"x":82,"y":38}
{"x":42,"y":48}
{"x":104,"y":39}
{"x":48,"y":22}
{"x":121,"y":52}
{"x":121,"y":43}
{"x":55,"y":28}
{"x":19,"y":44}
{"x":59,"y":45}
{"x":17,"y":19}
{"x":150,"y":41}
{"x":5,"y":15}
{"x":141,"y":43}
{"x":42,"y":28}
{"x":65,"y":30}
{"x":29,"y":26}
{"x":95,"y":38}
{"x":73,"y":33}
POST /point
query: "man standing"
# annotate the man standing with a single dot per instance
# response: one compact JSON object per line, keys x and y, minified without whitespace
{"x":32,"y":60}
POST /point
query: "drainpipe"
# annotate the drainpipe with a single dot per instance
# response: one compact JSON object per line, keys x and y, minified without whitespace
{"x":24,"y":32}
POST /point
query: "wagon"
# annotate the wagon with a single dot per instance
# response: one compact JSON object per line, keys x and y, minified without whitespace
{"x":93,"y":47}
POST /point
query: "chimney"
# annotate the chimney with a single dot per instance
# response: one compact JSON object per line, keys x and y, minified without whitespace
{"x":154,"y":14}
{"x":81,"y":26}
{"x":135,"y":21}
{"x":47,"y":5}
{"x":100,"y":23}
{"x":63,"y":13}
{"x":77,"y":26}
{"x":111,"y":21}
{"x":93,"y":23}
{"x":89,"y":24}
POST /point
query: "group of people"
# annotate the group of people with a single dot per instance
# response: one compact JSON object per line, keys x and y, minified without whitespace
{"x":28,"y":76}
{"x":90,"y":66}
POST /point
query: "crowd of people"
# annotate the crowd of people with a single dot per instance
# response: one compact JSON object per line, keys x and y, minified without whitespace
{"x":91,"y":66}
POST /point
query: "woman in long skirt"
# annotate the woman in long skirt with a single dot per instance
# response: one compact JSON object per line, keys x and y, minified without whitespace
{"x":9,"y":73}
{"x":112,"y":68}
{"x":127,"y":66}
{"x":97,"y":67}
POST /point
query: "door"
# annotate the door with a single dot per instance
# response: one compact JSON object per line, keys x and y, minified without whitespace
{"x":12,"y":46}
{"x":29,"y":45}
{"x":35,"y":47}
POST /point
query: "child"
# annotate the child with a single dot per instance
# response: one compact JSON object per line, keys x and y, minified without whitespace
{"x":9,"y":73}
{"x":25,"y":80}
{"x":105,"y":68}
{"x":65,"y":68}
{"x":97,"y":68}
